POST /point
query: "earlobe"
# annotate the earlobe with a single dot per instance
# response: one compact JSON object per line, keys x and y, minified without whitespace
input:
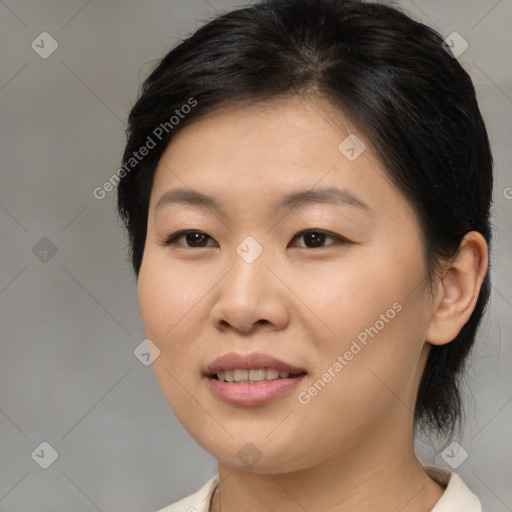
{"x":458,"y":289}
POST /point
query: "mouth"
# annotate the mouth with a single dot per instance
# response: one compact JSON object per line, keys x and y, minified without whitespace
{"x":252,"y":379}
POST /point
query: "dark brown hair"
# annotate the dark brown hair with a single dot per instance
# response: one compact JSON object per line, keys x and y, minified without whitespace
{"x":390,"y":75}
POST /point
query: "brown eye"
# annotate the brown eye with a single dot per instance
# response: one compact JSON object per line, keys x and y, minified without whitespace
{"x":315,"y":238}
{"x":193,"y":239}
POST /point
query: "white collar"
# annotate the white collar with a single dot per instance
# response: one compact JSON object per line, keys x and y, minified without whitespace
{"x":456,"y":497}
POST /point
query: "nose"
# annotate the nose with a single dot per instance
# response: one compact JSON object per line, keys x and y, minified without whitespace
{"x":250,"y":297}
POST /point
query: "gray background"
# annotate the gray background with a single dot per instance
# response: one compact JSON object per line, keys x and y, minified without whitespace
{"x":69,"y":325}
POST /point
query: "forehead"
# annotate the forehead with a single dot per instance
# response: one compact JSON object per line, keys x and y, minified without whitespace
{"x":268,"y":150}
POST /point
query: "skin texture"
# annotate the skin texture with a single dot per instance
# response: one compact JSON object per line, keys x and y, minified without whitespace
{"x":351,"y":446}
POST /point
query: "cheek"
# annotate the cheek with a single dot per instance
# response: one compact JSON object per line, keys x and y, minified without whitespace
{"x":167,"y":294}
{"x":168,"y":300}
{"x":348,"y":296}
{"x":377,"y":320}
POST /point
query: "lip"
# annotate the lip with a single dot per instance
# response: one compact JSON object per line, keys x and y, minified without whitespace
{"x":254,"y":393}
{"x":233,"y":361}
{"x":250,"y":394}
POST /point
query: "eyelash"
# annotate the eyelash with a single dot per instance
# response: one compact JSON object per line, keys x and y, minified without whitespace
{"x":338,"y":240}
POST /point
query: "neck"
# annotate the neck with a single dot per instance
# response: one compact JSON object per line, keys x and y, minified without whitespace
{"x":382,"y":474}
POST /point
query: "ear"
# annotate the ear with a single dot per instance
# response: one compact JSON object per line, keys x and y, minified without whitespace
{"x":458,"y":289}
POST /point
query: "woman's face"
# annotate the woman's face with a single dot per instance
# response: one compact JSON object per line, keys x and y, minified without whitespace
{"x":347,"y":310}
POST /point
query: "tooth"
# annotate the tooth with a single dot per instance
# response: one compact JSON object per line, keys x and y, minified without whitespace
{"x":257,"y":375}
{"x":240,"y":374}
{"x":272,"y":374}
{"x":254,"y":375}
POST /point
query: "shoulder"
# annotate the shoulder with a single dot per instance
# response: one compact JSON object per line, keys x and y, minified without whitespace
{"x":197,"y":502}
{"x":457,"y":497}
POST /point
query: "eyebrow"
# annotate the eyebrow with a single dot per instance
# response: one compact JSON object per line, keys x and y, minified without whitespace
{"x":301,"y":198}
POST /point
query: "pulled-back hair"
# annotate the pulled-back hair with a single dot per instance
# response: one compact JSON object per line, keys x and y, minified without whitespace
{"x":391,"y":76}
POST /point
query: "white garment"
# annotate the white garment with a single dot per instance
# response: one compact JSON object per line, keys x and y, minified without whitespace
{"x":456,"y":497}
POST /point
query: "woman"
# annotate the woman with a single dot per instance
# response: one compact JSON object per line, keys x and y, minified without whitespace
{"x":307,"y":187}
